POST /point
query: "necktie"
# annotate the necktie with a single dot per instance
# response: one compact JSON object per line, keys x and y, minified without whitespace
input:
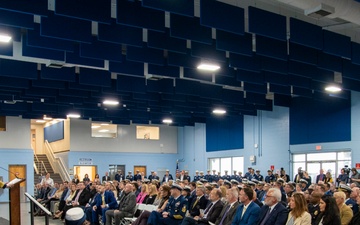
{"x":196,"y":201}
{"x":266,"y":217}
{"x":208,"y":208}
{"x":103,"y":199}
{"x":243,"y":211}
{"x":225,"y":213}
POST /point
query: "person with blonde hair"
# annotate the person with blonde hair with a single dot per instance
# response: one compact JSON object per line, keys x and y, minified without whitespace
{"x":299,"y":210}
{"x":346,"y":212}
{"x":153,"y":193}
{"x":143,"y":194}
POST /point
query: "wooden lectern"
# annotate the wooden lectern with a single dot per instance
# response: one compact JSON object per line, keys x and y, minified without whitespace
{"x":14,"y":204}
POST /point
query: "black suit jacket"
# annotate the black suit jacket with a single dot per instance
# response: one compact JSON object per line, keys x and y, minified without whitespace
{"x":83,"y":198}
{"x":278,"y":215}
{"x":213,"y":214}
{"x":229,"y":216}
{"x":194,"y":209}
{"x":105,"y":178}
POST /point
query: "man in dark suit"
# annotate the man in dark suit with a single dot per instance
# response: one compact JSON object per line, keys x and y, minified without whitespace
{"x":106,"y":177}
{"x":126,"y":207}
{"x":105,"y":202}
{"x":119,"y":176}
{"x":211,"y":212}
{"x":81,"y":197}
{"x":273,"y":212}
{"x":137,"y":176}
{"x":321,"y":176}
{"x":227,"y":214}
{"x":248,"y":212}
{"x":167,"y":176}
{"x":129,"y":176}
{"x":198,"y":203}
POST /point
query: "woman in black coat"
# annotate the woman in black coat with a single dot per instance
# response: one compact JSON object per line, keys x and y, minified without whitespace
{"x":329,"y":212}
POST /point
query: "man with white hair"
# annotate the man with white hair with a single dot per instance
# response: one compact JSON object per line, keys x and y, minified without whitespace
{"x":229,"y":210}
{"x":346,"y":212}
{"x":273,"y":212}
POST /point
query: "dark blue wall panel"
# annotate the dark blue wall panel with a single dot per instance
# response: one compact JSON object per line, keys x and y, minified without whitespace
{"x":120,"y":34}
{"x":95,"y":77}
{"x":303,"y":54}
{"x":38,"y":7}
{"x":355,"y":51}
{"x":267,"y":23}
{"x":101,"y":50}
{"x":240,"y":44}
{"x":12,"y":68}
{"x":320,"y":121}
{"x":271,"y":48}
{"x":306,"y":34}
{"x":207,"y":51}
{"x":164,"y":41}
{"x":63,"y":74}
{"x":184,"y":7}
{"x":16,"y":19}
{"x":54,"y":132}
{"x":337,"y":44}
{"x":224,"y":133}
{"x":222,"y":16}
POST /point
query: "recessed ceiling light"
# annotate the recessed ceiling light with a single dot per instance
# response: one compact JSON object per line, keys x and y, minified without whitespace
{"x":40,"y":121}
{"x":219,"y":111}
{"x":168,"y":121}
{"x":73,"y":116}
{"x":104,"y":124}
{"x":47,"y":118}
{"x":95,"y":126}
{"x":103,"y":131}
{"x":332,"y":89}
{"x":5,"y":38}
{"x":208,"y":67}
{"x":110,"y":102}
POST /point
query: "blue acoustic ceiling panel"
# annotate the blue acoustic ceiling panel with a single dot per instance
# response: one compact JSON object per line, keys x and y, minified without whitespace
{"x":213,"y":92}
{"x":187,"y":87}
{"x":271,"y":47}
{"x":41,"y":92}
{"x":74,"y":93}
{"x":167,"y":71}
{"x":14,"y":32}
{"x":233,"y":97}
{"x":239,"y":44}
{"x":355,"y":53}
{"x":255,"y":88}
{"x":145,"y":17}
{"x":76,"y":86}
{"x":48,"y":84}
{"x":280,"y":89}
{"x":302,"y":69}
{"x":350,"y":70}
{"x":229,"y":81}
{"x":16,"y":19}
{"x":303,"y":54}
{"x":222,"y":16}
{"x":99,"y":10}
{"x":63,"y":74}
{"x":267,"y":24}
{"x":127,"y":67}
{"x":350,"y":84}
{"x":282,"y":100}
{"x":189,"y":28}
{"x":249,"y":76}
{"x":130,"y":84}
{"x":161,"y":40}
{"x":176,"y":59}
{"x":6,"y":49}
{"x":274,"y":65}
{"x":149,"y":55}
{"x":74,"y":58}
{"x":41,"y":107}
{"x":33,"y":39}
{"x":101,"y":50}
{"x":303,"y":92}
{"x":323,"y":76}
{"x":245,"y":62}
{"x":14,"y":82}
{"x":300,"y":81}
{"x":306,"y":34}
{"x":93,"y":77}
{"x":195,"y":74}
{"x":120,"y":34}
{"x":329,"y":62}
{"x":75,"y":30}
{"x":255,"y":98}
{"x":275,"y":78}
{"x":337,"y":44}
{"x":38,"y":7}
{"x":207,"y":52}
{"x":18,"y":69}
{"x":184,"y":7}
{"x":225,"y":70}
{"x":42,"y":52}
{"x":163,"y":86}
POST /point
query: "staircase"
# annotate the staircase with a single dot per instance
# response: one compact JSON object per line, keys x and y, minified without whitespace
{"x":55,"y":176}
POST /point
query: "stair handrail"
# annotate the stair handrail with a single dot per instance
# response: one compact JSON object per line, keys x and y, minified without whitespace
{"x":56,"y":162}
{"x":39,"y":166}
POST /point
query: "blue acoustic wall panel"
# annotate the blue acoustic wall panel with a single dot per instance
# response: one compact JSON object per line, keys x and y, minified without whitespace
{"x":245,"y":63}
{"x":271,"y":47}
{"x":306,"y":34}
{"x":320,"y":121}
{"x":275,"y":78}
{"x":42,"y":52}
{"x":7,"y":49}
{"x":149,"y":55}
{"x":249,"y":76}
{"x":16,"y":19}
{"x":38,"y":7}
{"x":207,"y":52}
{"x":189,"y":28}
{"x":350,"y":70}
{"x":63,"y":74}
{"x":74,"y":58}
{"x":267,"y":23}
{"x":95,"y":77}
{"x":355,"y":53}
{"x":169,"y":71}
{"x":127,"y":67}
{"x":75,"y":30}
{"x":184,"y":7}
{"x":18,"y":69}
{"x":222,"y":16}
{"x":54,"y":132}
{"x":224,"y":133}
{"x":337,"y":44}
{"x":255,"y":88}
{"x":302,"y":69}
{"x":303,"y":54}
{"x":176,"y":59}
{"x":120,"y":34}
{"x":145,"y":17}
{"x":101,"y":50}
{"x":329,"y":62}
{"x":240,"y":44}
{"x":195,"y":74}
{"x":162,"y":40}
{"x":99,"y":11}
{"x":131,"y":84}
{"x":274,"y":65}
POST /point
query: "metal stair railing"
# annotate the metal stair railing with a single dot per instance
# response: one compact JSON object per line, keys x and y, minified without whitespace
{"x":56,"y":162}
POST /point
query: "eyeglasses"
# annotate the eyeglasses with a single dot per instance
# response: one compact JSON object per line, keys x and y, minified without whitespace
{"x":269,"y":196}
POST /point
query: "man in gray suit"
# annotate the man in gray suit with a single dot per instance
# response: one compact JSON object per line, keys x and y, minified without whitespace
{"x":229,"y":210}
{"x":126,"y":206}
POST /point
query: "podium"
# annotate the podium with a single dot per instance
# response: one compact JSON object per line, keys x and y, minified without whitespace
{"x":14,"y":204}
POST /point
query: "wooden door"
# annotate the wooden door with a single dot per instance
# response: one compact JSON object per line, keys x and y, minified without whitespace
{"x":141,"y":169}
{"x":20,"y":171}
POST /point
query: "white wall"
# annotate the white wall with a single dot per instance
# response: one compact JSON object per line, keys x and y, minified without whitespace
{"x":81,"y":140}
{"x":17,"y":134}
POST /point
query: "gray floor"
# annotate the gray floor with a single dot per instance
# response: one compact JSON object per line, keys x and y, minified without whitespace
{"x":25,"y":215}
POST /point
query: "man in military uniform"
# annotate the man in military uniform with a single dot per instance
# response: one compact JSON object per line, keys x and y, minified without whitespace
{"x":270,"y":177}
{"x":215,"y":177}
{"x":174,"y":212}
{"x":236,"y":177}
{"x":129,"y":176}
{"x":201,"y":175}
{"x":187,"y":177}
{"x":313,"y":206}
{"x":226,"y":176}
{"x":247,"y":174}
{"x":208,"y":176}
{"x":348,"y":201}
{"x":150,"y":177}
{"x":137,"y":176}
{"x":258,"y":176}
{"x":119,"y":176}
{"x":196,"y":177}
